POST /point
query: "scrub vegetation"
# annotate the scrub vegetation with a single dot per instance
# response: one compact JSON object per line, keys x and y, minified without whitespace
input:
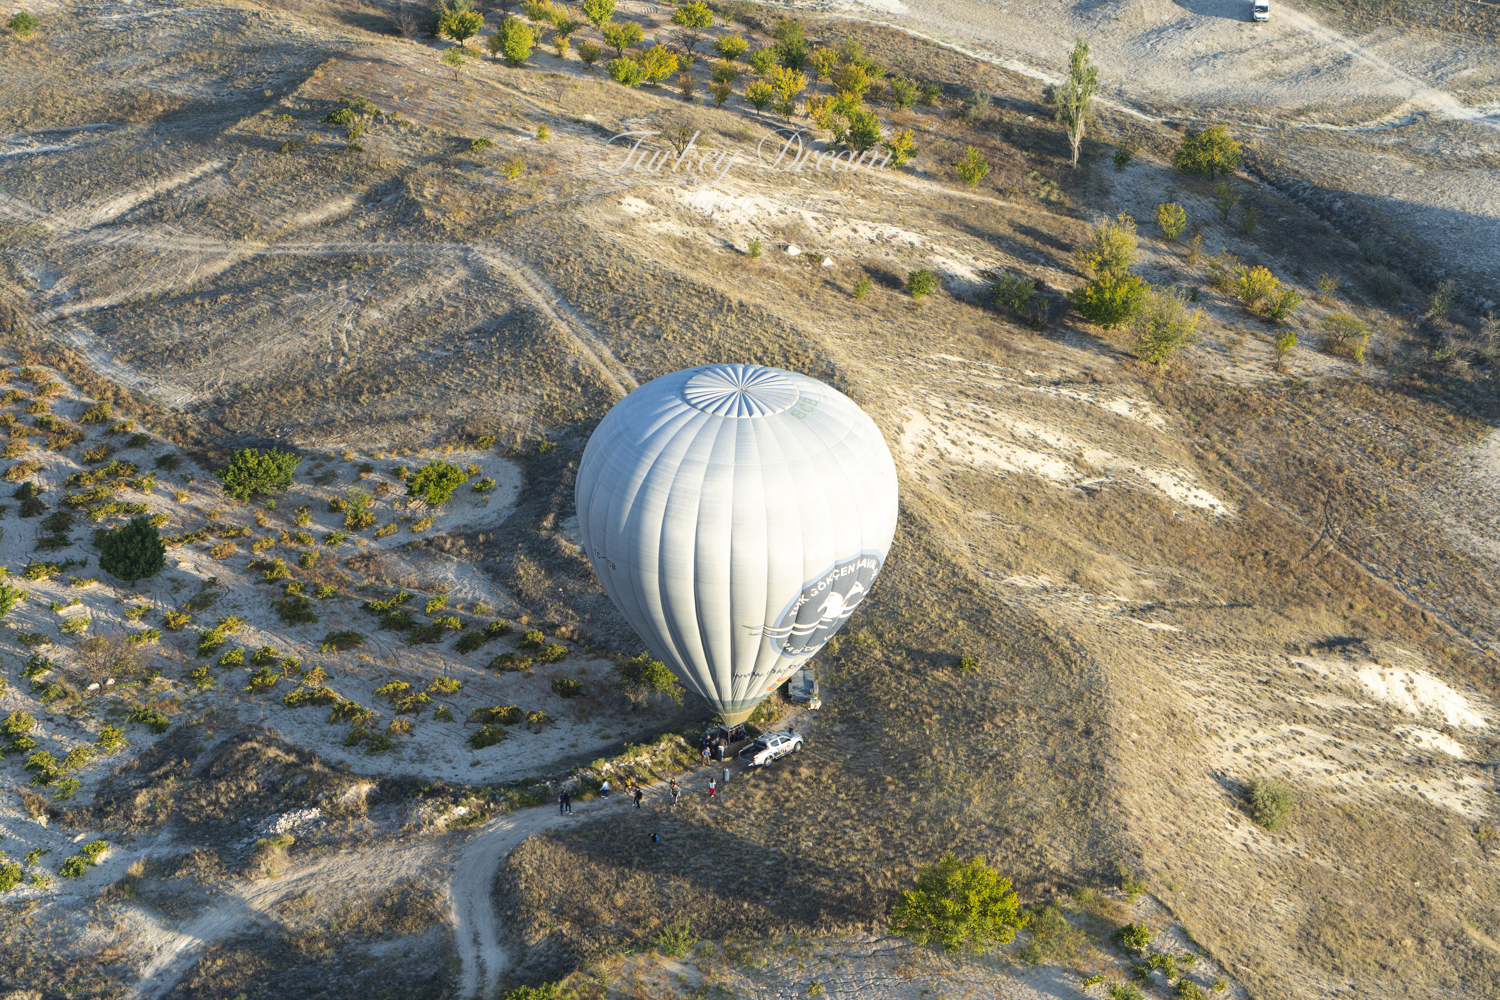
{"x":1184,"y":477}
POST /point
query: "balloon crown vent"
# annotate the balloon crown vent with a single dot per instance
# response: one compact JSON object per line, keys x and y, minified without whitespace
{"x":741,"y":391}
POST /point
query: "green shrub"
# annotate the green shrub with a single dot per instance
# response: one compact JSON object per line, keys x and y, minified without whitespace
{"x":23,"y":23}
{"x":250,"y":472}
{"x":753,"y":249}
{"x":509,"y":663}
{"x":10,"y":597}
{"x":1270,"y":802}
{"x":1186,"y":989}
{"x":1207,"y":153}
{"x":1226,"y":200}
{"x":72,"y":868}
{"x":973,"y":167}
{"x":10,"y":876}
{"x":1124,"y":991}
{"x":1111,"y":247}
{"x":1171,"y":219}
{"x":111,"y":740}
{"x":921,"y":283}
{"x":567,"y":687}
{"x":730,"y":47}
{"x":150,"y":718}
{"x":642,"y":676}
{"x":958,"y":904}
{"x":1286,"y":340}
{"x":339,"y":642}
{"x":967,"y":664}
{"x":1134,"y":937}
{"x":350,"y":711}
{"x":1162,"y":324}
{"x":506,"y":715}
{"x":435,"y":482}
{"x":1345,"y":333}
{"x":861,"y":288}
{"x":546,"y":991}
{"x":625,"y":71}
{"x":133,"y":552}
{"x":487,"y":736}
{"x":675,"y":939}
{"x":1110,"y":299}
{"x":621,"y":35}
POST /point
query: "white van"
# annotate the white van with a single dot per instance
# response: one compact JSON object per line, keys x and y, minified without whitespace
{"x":1260,"y":10}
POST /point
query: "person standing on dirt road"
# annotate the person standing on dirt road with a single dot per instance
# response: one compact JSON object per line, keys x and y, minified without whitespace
{"x":567,"y":801}
{"x":674,"y":792}
{"x":712,"y":787}
{"x":705,"y":755}
{"x":638,"y":796}
{"x":562,"y":802}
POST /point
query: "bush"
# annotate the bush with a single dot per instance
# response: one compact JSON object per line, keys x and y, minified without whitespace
{"x":133,"y":551}
{"x":621,"y":35}
{"x":1270,"y":802}
{"x":1171,"y":219}
{"x":23,"y":23}
{"x":921,"y":283}
{"x":1345,"y":333}
{"x":590,"y":53}
{"x":435,"y":482}
{"x":566,"y":687}
{"x":642,"y":676}
{"x":1163,"y":324}
{"x":731,"y":47}
{"x":973,"y":167}
{"x":1186,"y":989}
{"x":1207,"y":153}
{"x":1252,"y":284}
{"x":250,"y":472}
{"x":1286,"y":340}
{"x":1110,"y":248}
{"x":959,"y":904}
{"x":10,"y":597}
{"x":546,"y":991}
{"x":1134,"y":937}
{"x":656,"y":63}
{"x":487,"y":736}
{"x":514,"y":39}
{"x":339,"y":642}
{"x":509,"y":663}
{"x":1279,"y":306}
{"x":1110,"y":300}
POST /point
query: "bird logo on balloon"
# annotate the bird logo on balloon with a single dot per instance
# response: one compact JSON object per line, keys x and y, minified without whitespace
{"x":822,"y":607}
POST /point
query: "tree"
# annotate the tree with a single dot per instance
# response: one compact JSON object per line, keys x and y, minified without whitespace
{"x":791,"y":43}
{"x":249,"y":471}
{"x":1074,"y":97}
{"x":590,"y":53}
{"x":762,"y":61}
{"x":731,"y":47}
{"x":435,"y":482}
{"x":656,"y":63}
{"x":562,"y":30}
{"x":1345,"y":332}
{"x":514,"y":39}
{"x":454,"y":60}
{"x":626,"y":71}
{"x":598,"y":11}
{"x":973,"y":168}
{"x":1286,"y":340}
{"x":958,"y":904}
{"x":695,"y":17}
{"x":1270,"y":802}
{"x":759,"y":94}
{"x":1110,"y":299}
{"x":1208,"y":153}
{"x":823,"y":60}
{"x":1162,"y":324}
{"x":901,"y":147}
{"x":787,"y":84}
{"x":1110,"y":248}
{"x":134,"y":551}
{"x":864,"y":130}
{"x":1171,"y":219}
{"x":640,"y":677}
{"x":460,"y":25}
{"x":620,"y":35}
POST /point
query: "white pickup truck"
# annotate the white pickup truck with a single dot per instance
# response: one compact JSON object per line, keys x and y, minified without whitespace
{"x":1260,"y":10}
{"x":769,"y":747}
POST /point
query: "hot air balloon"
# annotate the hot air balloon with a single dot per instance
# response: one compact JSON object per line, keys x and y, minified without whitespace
{"x":737,"y":515}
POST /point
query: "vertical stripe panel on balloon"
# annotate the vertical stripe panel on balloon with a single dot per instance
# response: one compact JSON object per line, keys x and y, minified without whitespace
{"x":712,"y":546}
{"x":675,"y":582}
{"x":749,"y":573}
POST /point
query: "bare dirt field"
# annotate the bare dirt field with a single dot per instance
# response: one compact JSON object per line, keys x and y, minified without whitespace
{"x":1174,"y":579}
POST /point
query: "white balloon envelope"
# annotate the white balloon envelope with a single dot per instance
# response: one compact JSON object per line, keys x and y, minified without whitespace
{"x":737,"y":516}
